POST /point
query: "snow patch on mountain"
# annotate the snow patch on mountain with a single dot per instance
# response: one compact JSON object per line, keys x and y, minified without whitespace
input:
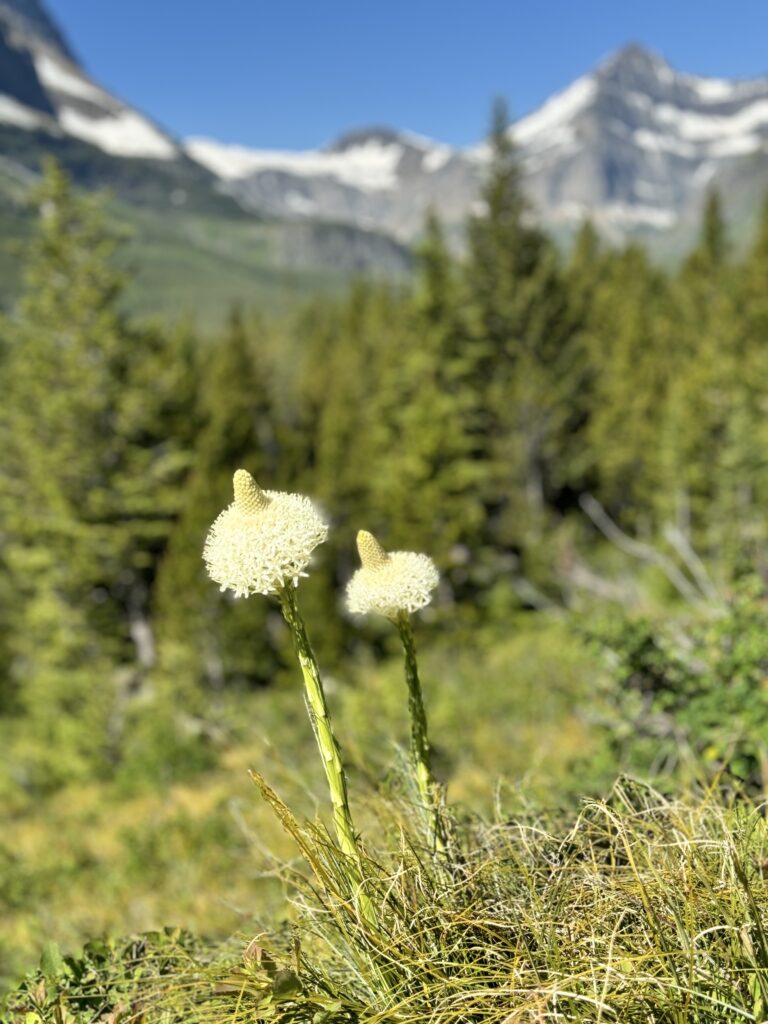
{"x":55,"y":75}
{"x":659,"y":142}
{"x":437,"y":158}
{"x":552,"y":123}
{"x":300,"y":204}
{"x":704,"y":127}
{"x":711,"y":90}
{"x":45,"y":88}
{"x":123,"y":133}
{"x":635,"y":214}
{"x":15,"y":113}
{"x":370,"y":166}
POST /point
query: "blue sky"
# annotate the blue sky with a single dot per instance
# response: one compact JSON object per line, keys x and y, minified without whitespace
{"x":296,"y":73}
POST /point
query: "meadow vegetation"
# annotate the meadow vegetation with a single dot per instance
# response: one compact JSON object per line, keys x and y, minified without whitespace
{"x":579,"y":444}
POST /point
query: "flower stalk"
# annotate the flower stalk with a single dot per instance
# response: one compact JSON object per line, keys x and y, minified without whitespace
{"x":330,"y":752}
{"x":320,"y":718}
{"x":421,"y":755}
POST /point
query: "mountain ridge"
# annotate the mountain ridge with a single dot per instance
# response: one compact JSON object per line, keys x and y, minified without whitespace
{"x":31,"y":22}
{"x":633,"y":144}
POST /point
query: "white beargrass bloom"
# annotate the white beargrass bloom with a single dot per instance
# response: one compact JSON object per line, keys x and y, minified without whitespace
{"x":263,"y":540}
{"x":389,"y":583}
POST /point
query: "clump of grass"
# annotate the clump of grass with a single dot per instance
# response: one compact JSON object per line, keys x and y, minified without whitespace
{"x":643,"y":909}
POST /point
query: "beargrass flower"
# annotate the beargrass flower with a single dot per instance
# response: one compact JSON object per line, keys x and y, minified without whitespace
{"x":389,"y":583}
{"x":261,"y":544}
{"x":263,"y":540}
{"x":395,"y":584}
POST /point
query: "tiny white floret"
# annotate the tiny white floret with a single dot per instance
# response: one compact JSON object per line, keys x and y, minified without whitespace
{"x":263,"y":540}
{"x":389,"y":583}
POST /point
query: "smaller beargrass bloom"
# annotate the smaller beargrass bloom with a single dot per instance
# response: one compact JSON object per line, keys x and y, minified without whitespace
{"x":395,"y":584}
{"x":390,"y":583}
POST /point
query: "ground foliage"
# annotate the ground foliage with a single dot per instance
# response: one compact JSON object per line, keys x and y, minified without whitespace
{"x":642,"y":909}
{"x":690,"y":695}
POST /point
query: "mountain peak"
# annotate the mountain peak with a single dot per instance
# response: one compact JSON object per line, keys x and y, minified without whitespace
{"x":635,"y":66}
{"x":42,"y":86}
{"x":637,"y":54}
{"x":380,"y":135}
{"x":30,"y":23}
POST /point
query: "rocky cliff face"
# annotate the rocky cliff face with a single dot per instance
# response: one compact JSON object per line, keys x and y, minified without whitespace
{"x":43,"y":87}
{"x":50,"y":105}
{"x":32,"y":25}
{"x":636,"y":143}
{"x":377,"y":178}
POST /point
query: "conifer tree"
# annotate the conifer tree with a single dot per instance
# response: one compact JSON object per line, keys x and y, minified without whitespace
{"x":425,"y":484}
{"x":521,"y":332}
{"x":628,"y":363}
{"x":89,"y":488}
{"x":348,"y":351}
{"x":695,"y":425}
{"x":208,"y":640}
{"x":573,"y":468}
{"x":743,"y":472}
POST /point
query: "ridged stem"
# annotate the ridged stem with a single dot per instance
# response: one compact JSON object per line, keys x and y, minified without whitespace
{"x":317,"y":709}
{"x":421,"y":757}
{"x":330,"y":752}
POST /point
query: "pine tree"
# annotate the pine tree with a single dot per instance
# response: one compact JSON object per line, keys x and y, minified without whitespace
{"x":573,"y":468}
{"x":693,"y":492}
{"x":521,"y":334}
{"x":208,"y":640}
{"x":349,"y":346}
{"x":628,"y":361}
{"x":90,"y":485}
{"x":743,"y":475}
{"x":423,"y":494}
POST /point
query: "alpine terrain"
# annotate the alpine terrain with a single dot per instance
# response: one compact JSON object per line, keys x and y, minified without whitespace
{"x":634,"y":145}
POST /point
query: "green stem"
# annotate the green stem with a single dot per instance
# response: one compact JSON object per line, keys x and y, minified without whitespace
{"x":420,"y":752}
{"x":321,"y":724}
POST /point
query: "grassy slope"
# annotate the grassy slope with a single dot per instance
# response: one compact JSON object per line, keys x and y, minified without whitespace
{"x":95,"y":860}
{"x":189,"y":264}
{"x":195,"y":260}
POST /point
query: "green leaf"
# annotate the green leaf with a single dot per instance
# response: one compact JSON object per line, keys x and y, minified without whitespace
{"x":51,"y":961}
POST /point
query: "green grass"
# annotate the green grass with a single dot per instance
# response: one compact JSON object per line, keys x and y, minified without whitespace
{"x":184,"y":264}
{"x":632,"y":906}
{"x":97,"y":860}
{"x":638,"y":909}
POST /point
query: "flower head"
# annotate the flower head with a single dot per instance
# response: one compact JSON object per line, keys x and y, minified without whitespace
{"x":263,"y":540}
{"x":388,"y":583}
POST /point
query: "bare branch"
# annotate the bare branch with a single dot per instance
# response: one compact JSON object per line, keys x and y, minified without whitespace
{"x":638,"y":549}
{"x":692,"y":562}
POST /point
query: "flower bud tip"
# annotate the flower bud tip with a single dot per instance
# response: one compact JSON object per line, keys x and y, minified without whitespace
{"x":249,"y":497}
{"x":372,"y":554}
